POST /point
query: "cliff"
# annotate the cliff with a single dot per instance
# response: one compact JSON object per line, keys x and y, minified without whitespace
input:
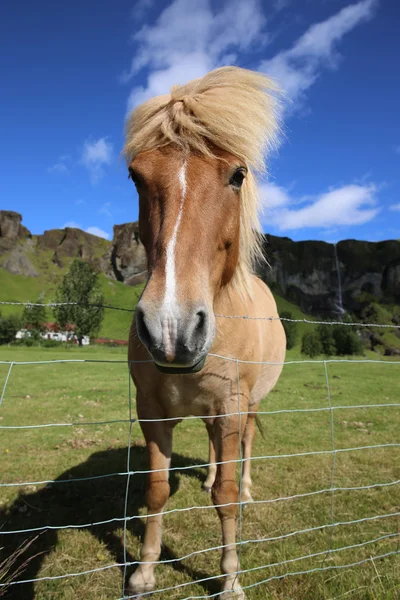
{"x":128,"y":257}
{"x":319,"y":277}
{"x":322,"y":278}
{"x":22,"y":253}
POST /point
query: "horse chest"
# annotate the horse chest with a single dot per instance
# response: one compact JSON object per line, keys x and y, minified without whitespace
{"x":181,"y":400}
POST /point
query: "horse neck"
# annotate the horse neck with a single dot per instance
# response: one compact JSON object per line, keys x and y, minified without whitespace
{"x":235,"y":298}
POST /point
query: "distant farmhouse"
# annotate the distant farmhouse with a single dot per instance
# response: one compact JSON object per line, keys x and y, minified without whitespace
{"x":52,"y":332}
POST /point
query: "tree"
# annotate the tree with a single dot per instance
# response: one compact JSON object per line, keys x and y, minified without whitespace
{"x":81,"y":287}
{"x":347,"y":341}
{"x":34,"y":317}
{"x":325,"y":334}
{"x":8,"y":328}
{"x":290,"y":329}
{"x":310,"y":344}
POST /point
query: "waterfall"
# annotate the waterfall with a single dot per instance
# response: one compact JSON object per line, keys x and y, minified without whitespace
{"x":339,"y":303}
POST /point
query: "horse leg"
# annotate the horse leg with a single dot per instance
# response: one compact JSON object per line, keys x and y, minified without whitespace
{"x":247,"y":445}
{"x":212,"y":467}
{"x":226,"y":492}
{"x":159,"y":445}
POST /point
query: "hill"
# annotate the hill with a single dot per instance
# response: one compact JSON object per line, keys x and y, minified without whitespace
{"x":33,"y":265}
{"x":307,"y":278}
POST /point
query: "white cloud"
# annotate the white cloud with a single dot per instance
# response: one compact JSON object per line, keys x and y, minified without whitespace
{"x":298,"y":68}
{"x":95,"y":156}
{"x":93,"y":230}
{"x":159,"y":82}
{"x":273,"y":196}
{"x":349,"y":205}
{"x":182,"y":46}
{"x":59,"y":168}
{"x":395,"y":207}
{"x":99,"y":232}
{"x":106,"y":209}
{"x":177,"y":48}
{"x":72,"y":224}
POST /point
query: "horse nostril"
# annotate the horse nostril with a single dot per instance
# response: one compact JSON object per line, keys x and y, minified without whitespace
{"x":201,"y":320}
{"x":142,"y":328}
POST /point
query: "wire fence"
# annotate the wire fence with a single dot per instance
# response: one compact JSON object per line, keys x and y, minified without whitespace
{"x":260,"y":318}
{"x":243,"y":542}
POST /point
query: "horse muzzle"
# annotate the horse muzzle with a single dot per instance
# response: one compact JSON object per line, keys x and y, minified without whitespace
{"x":178,"y":345}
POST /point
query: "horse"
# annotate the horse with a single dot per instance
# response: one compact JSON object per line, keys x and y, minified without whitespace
{"x":194,"y":155}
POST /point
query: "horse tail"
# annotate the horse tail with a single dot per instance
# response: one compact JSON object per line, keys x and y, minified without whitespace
{"x":260,"y":427}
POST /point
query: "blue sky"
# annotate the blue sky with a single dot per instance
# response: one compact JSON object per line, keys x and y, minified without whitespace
{"x":70,"y":72}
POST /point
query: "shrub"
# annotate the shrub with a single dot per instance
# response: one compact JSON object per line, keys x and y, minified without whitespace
{"x":50,"y":344}
{"x":310,"y":344}
{"x":290,"y":329}
{"x":347,"y":341}
{"x":326,"y":337}
{"x":8,"y":328}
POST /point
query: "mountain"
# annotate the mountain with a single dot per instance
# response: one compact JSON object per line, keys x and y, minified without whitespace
{"x":321,"y":279}
{"x":34,"y":265}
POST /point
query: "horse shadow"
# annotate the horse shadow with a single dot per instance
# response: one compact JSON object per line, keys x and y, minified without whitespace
{"x":72,"y":500}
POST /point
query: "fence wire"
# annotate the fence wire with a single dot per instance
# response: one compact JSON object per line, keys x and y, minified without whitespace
{"x":260,"y":318}
{"x":332,"y":490}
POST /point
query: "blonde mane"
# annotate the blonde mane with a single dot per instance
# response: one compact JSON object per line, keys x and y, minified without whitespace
{"x":230,"y":108}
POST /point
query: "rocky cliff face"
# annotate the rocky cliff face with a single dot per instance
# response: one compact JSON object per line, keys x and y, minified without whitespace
{"x":20,"y":251}
{"x":320,"y":277}
{"x":14,"y":240}
{"x":128,"y":257}
{"x":69,"y":243}
{"x":11,"y":229}
{"x":317,"y":276}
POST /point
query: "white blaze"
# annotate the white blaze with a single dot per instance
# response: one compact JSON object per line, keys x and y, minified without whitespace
{"x":169,"y":320}
{"x":170,"y":276}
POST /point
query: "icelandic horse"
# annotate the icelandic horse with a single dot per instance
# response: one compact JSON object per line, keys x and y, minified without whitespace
{"x":193,"y":155}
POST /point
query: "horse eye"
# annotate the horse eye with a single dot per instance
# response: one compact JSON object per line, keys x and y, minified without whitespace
{"x":133,"y":175}
{"x":238,"y":177}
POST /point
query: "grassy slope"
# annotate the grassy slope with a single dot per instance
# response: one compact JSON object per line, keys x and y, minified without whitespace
{"x":90,"y":392}
{"x":17,"y":288}
{"x":384,"y":314}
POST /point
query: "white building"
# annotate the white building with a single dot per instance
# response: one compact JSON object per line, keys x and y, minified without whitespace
{"x":57,"y":336}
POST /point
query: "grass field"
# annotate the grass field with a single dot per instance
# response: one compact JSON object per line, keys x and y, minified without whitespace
{"x":80,"y":393}
{"x":115,"y":325}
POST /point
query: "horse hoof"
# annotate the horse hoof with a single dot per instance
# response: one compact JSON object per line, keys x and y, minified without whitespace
{"x":237,"y":594}
{"x":139,"y":585}
{"x":207,"y":488}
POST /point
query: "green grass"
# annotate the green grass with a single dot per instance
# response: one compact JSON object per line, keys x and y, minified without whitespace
{"x":18,"y":288}
{"x":284,"y":305}
{"x":383,"y":314}
{"x":84,"y":392}
{"x":116,"y":323}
